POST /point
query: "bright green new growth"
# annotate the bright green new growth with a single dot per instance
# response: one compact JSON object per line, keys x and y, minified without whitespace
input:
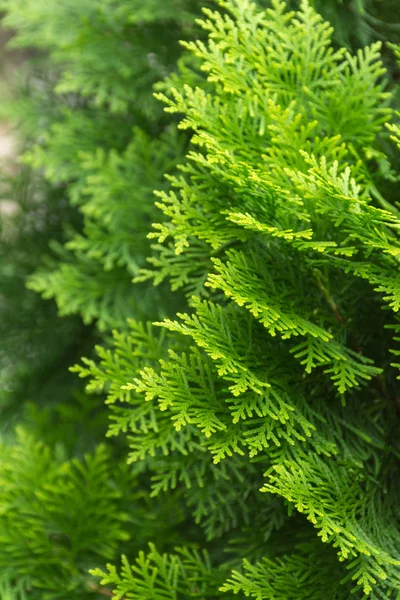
{"x":262,"y":419}
{"x":286,"y":352}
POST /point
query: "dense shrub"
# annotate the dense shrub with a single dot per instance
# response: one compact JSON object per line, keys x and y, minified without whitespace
{"x":261,"y":406}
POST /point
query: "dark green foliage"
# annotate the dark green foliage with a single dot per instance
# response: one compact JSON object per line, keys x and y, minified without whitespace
{"x":94,"y":118}
{"x":61,"y":517}
{"x":91,"y":134}
{"x":54,"y":512}
{"x":36,"y":346}
{"x":360,"y":22}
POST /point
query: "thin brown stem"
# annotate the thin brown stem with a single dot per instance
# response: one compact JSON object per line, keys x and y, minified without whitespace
{"x":100,"y":590}
{"x":332,"y":304}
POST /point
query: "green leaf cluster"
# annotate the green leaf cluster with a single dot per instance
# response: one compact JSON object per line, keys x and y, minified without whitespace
{"x":254,"y":388}
{"x":284,"y":353}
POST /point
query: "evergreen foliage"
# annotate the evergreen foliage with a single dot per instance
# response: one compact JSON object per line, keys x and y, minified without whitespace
{"x":259,"y":397}
{"x":85,"y":115}
{"x":280,"y":203}
{"x":54,"y":512}
{"x":78,"y":137}
{"x":36,"y":347}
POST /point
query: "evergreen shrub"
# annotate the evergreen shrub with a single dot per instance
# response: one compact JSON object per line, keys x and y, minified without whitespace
{"x":259,"y":398}
{"x":278,"y":231}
